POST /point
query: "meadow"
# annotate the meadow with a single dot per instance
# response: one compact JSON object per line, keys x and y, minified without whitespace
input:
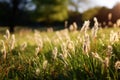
{"x":68,"y":54}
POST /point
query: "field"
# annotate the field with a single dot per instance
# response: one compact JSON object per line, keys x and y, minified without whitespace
{"x":68,"y":54}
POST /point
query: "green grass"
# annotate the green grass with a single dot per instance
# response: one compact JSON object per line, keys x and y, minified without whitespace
{"x":37,"y":60}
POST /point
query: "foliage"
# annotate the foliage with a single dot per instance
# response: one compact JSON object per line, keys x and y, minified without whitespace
{"x":89,"y":14}
{"x":51,"y":10}
{"x":43,"y":10}
{"x":68,"y":54}
{"x":76,"y":4}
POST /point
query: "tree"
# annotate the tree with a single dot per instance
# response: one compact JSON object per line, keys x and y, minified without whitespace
{"x":11,"y":9}
{"x":90,"y":13}
{"x":76,"y":4}
{"x":51,"y":10}
{"x":44,"y":10}
{"x":14,"y":11}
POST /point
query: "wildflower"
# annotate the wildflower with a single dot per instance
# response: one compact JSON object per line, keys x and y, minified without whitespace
{"x":113,"y":37}
{"x":4,"y":50}
{"x":71,"y":27}
{"x":96,"y":22}
{"x":7,"y":36}
{"x":23,"y":46}
{"x":117,"y":65}
{"x":109,"y":50}
{"x":54,"y":53}
{"x":50,"y":29}
{"x":85,"y":26}
{"x":118,"y":22}
{"x":96,"y":55}
{"x":106,"y":62}
{"x":37,"y":71}
{"x":13,"y":42}
{"x":61,"y":57}
{"x":75,"y":26}
{"x":70,"y":45}
{"x":95,"y":28}
{"x":86,"y":44}
{"x":64,"y":50}
{"x":37,"y":50}
{"x":109,"y":16}
{"x":45,"y":63}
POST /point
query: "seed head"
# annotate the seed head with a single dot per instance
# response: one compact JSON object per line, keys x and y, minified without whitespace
{"x":95,"y":28}
{"x":45,"y":63}
{"x":70,"y":45}
{"x":75,"y":26}
{"x":7,"y":36}
{"x":85,"y":26}
{"x":71,"y":27}
{"x":37,"y":71}
{"x":37,"y":50}
{"x":13,"y":42}
{"x":54,"y":52}
{"x":86,"y":44}
{"x":109,"y":50}
{"x":23,"y":46}
{"x":4,"y":50}
{"x":106,"y":62}
{"x":96,"y":55}
{"x":118,"y":22}
{"x":117,"y":65}
{"x":113,"y":37}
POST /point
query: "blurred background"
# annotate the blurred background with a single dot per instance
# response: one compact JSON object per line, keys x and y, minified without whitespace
{"x":47,"y":13}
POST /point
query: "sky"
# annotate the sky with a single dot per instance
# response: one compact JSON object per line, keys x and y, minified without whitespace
{"x":92,"y":3}
{"x":84,"y":5}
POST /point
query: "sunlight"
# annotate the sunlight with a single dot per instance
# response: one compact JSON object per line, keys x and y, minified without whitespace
{"x":107,"y":3}
{"x":94,"y":3}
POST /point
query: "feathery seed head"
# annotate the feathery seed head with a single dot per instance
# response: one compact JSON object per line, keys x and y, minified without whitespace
{"x":4,"y":50}
{"x":85,"y":26}
{"x":96,"y":55}
{"x":113,"y":37}
{"x":45,"y":63}
{"x":23,"y":46}
{"x":109,"y":50}
{"x":118,"y":22}
{"x":117,"y":65}
{"x":54,"y":52}
{"x":7,"y":34}
{"x":37,"y":50}
{"x":37,"y":71}
{"x":86,"y":44}
{"x":75,"y":26}
{"x":106,"y":62}
{"x":13,"y":42}
{"x":70,"y":45}
{"x":71,"y":28}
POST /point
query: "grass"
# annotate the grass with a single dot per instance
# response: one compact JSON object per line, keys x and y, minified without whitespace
{"x":60,"y":55}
